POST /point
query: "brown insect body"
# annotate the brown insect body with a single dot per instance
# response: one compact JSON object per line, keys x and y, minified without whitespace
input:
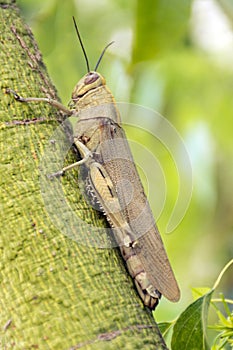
{"x":117,"y":186}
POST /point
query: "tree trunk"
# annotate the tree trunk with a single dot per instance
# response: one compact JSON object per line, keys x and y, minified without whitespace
{"x":55,"y":292}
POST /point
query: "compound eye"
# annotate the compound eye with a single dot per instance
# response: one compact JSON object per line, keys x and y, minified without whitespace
{"x":91,"y":78}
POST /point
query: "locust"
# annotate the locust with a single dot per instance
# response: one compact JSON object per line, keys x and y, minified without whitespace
{"x":112,"y":181}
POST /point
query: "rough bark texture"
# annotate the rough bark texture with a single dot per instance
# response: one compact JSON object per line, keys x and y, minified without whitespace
{"x":55,"y":293}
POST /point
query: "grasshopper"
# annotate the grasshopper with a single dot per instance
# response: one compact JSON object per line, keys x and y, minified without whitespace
{"x":113,"y":182}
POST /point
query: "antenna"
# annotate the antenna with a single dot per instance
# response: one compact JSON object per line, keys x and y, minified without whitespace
{"x":101,"y":56}
{"x":81,"y":43}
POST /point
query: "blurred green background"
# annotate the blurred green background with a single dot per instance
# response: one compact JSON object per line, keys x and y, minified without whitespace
{"x":176,"y":58}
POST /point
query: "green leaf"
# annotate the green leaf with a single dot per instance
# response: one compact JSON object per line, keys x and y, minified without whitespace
{"x":164,"y":327}
{"x":190,"y":329}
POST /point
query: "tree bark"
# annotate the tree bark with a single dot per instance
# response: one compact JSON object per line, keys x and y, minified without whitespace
{"x":55,"y":293}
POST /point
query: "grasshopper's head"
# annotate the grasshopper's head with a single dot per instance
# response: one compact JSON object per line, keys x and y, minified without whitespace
{"x":90,"y":81}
